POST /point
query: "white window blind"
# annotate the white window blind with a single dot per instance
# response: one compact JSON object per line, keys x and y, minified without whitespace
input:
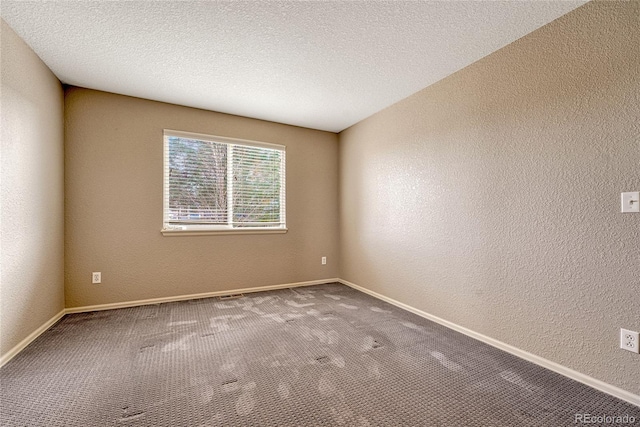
{"x":216,"y":183}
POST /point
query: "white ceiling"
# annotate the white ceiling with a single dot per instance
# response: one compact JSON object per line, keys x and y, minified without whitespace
{"x":322,"y":65}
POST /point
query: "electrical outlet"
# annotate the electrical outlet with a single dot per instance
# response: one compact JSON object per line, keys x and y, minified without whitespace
{"x":629,"y":340}
{"x":324,"y":260}
{"x":96,"y":277}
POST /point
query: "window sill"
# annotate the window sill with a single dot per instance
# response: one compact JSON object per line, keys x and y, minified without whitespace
{"x":179,"y":233}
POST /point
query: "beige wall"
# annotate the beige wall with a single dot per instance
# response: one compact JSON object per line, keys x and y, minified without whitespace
{"x":32,"y":221}
{"x":491,"y":199}
{"x":114,"y":205}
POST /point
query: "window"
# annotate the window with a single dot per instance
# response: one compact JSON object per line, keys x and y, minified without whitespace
{"x":221,"y":185}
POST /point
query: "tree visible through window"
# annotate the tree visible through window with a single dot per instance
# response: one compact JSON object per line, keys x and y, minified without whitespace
{"x":214,"y":183}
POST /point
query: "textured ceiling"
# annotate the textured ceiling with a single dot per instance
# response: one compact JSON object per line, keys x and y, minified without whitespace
{"x":322,"y":65}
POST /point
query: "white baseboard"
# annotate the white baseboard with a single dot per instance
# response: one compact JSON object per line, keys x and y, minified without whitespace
{"x":562,"y":370}
{"x":150,"y":301}
{"x":29,"y":339}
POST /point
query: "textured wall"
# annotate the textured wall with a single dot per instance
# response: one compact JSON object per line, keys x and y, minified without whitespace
{"x":32,"y":219}
{"x":113,"y":217}
{"x":491,"y":199}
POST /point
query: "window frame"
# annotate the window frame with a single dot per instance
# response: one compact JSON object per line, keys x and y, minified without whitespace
{"x":210,"y":229}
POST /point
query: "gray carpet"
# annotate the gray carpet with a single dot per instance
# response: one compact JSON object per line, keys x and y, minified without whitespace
{"x":323,"y":355}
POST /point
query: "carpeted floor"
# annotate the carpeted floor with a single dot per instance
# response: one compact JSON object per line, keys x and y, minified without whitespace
{"x":323,"y":355}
